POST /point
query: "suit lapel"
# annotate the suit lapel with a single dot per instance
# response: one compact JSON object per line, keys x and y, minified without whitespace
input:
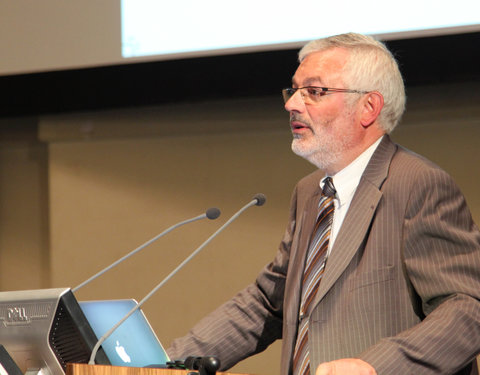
{"x":299,"y":254}
{"x":359,"y":216}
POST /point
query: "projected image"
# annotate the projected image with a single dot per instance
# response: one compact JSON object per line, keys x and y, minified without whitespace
{"x":189,"y":28}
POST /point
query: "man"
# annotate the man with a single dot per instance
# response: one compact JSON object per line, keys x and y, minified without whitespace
{"x":384,"y":281}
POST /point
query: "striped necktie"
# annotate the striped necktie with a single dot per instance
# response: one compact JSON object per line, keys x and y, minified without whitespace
{"x":314,"y":267}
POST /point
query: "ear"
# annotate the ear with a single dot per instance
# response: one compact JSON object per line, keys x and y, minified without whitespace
{"x":372,"y":105}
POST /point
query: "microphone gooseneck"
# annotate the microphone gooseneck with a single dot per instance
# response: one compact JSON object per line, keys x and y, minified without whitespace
{"x":212,"y":213}
{"x":254,"y":202}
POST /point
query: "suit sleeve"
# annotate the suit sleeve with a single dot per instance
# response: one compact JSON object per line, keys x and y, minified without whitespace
{"x":441,"y":250}
{"x":250,"y":321}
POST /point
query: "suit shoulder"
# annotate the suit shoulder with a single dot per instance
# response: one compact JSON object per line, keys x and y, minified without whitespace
{"x":413,"y":170}
{"x":414,"y":163}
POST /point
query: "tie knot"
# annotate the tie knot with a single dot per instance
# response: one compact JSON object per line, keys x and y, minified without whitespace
{"x":328,"y":188}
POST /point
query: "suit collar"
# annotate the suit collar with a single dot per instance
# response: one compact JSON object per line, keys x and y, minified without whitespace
{"x":377,"y":169}
{"x":299,"y":253}
{"x":346,"y":181}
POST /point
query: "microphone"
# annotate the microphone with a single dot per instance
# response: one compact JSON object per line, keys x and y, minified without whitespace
{"x":204,"y":365}
{"x":258,"y":200}
{"x":212,"y":213}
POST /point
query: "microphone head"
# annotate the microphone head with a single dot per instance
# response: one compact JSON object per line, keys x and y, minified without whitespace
{"x":261,"y":199}
{"x":212,"y":213}
{"x":206,"y":365}
{"x":192,"y":362}
{"x":210,"y":364}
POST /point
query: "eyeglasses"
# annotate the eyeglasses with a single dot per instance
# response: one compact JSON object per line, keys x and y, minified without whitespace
{"x":313,"y":94}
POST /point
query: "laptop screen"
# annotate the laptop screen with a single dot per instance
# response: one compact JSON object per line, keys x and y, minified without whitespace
{"x":133,"y":343}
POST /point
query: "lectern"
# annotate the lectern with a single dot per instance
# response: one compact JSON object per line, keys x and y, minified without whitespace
{"x":83,"y":369}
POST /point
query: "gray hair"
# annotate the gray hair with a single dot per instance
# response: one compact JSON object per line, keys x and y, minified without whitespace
{"x":370,"y":67}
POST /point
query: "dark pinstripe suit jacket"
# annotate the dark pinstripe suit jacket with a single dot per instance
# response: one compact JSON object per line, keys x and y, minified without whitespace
{"x":401,"y":288}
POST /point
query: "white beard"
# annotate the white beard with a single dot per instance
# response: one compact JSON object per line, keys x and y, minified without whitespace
{"x":323,"y":156}
{"x":324,"y":147}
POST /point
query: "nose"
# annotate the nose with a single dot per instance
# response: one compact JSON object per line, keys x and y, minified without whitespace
{"x":295,"y":103}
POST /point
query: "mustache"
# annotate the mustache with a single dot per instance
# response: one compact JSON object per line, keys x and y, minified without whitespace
{"x":295,"y":117}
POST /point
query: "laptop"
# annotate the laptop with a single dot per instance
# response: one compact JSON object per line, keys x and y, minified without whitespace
{"x":133,"y":343}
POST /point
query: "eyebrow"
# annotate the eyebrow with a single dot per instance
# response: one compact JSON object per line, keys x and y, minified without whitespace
{"x":310,"y":81}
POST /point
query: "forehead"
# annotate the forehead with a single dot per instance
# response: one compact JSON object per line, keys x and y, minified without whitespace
{"x":324,"y":67}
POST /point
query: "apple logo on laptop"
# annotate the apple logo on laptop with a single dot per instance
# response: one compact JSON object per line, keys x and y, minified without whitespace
{"x":122,"y":353}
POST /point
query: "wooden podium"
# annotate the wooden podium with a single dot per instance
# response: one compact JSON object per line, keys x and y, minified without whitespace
{"x":83,"y":369}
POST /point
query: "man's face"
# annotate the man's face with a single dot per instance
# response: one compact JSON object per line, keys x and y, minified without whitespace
{"x":324,"y":132}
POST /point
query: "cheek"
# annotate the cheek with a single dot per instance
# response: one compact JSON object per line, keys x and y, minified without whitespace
{"x":322,"y":116}
{"x":330,"y":107}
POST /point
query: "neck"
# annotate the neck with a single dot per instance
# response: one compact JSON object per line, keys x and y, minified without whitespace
{"x":349,"y":157}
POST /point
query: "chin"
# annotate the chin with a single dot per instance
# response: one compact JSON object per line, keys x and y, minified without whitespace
{"x":304,"y":152}
{"x":304,"y":148}
{"x":317,"y":158}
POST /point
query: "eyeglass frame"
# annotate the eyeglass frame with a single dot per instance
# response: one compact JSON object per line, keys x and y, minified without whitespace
{"x":323,"y":91}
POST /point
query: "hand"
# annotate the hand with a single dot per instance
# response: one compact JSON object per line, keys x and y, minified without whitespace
{"x":347,"y":366}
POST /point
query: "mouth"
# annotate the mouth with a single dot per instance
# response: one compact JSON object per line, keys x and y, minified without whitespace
{"x":298,"y":127}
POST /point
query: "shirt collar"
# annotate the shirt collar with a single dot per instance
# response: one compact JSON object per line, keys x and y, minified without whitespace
{"x":347,"y":180}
